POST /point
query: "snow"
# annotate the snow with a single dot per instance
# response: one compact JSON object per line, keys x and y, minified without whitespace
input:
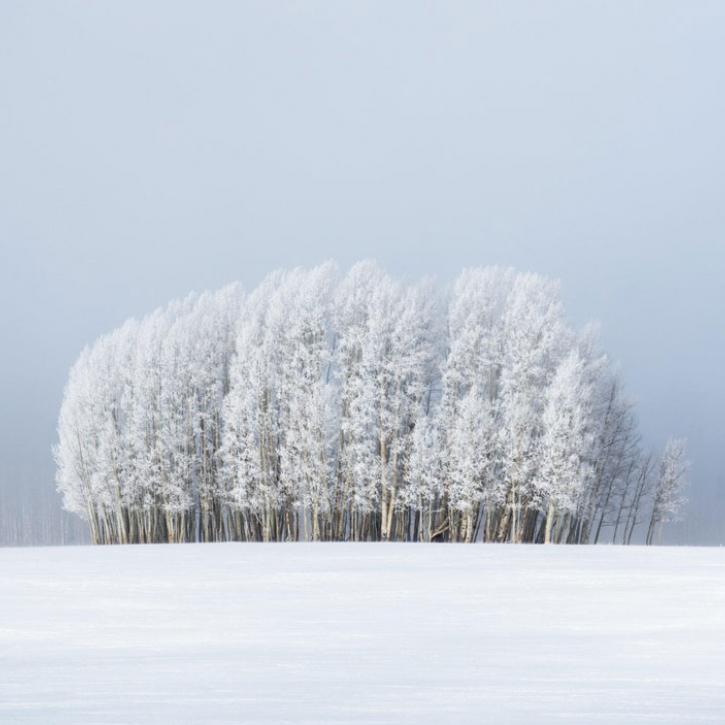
{"x":362,"y":633}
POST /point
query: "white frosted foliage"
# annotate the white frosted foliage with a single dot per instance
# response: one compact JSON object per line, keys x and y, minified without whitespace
{"x":330,"y":406}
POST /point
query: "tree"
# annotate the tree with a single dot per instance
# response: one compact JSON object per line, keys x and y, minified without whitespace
{"x":565,"y":445}
{"x":669,"y":497}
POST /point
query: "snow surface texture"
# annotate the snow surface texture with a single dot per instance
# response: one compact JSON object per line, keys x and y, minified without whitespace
{"x":362,"y":633}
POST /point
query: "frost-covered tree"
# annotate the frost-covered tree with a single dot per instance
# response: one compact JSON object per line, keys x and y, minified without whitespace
{"x":536,"y":338}
{"x":470,"y":463}
{"x":565,"y":445}
{"x":472,"y":372}
{"x":669,"y":498}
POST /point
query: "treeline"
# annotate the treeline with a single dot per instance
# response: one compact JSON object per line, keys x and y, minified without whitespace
{"x":32,"y":516}
{"x":326,"y":407}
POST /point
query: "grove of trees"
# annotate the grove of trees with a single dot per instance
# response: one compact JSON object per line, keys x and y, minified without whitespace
{"x":326,"y":406}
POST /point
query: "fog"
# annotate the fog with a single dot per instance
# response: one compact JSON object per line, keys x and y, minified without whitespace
{"x":149,"y":149}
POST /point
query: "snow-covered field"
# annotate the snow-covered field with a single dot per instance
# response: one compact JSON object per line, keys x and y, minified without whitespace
{"x":352,"y":633}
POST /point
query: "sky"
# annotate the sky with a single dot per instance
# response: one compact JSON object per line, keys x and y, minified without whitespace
{"x":148,"y":149}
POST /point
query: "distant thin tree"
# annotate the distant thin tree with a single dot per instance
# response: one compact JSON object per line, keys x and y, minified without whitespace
{"x":669,"y":498}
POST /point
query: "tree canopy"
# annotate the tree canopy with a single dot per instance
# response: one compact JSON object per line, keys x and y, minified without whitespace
{"x":329,"y":406}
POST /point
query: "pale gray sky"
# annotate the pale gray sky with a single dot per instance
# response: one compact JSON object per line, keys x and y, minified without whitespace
{"x":152,"y":148}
